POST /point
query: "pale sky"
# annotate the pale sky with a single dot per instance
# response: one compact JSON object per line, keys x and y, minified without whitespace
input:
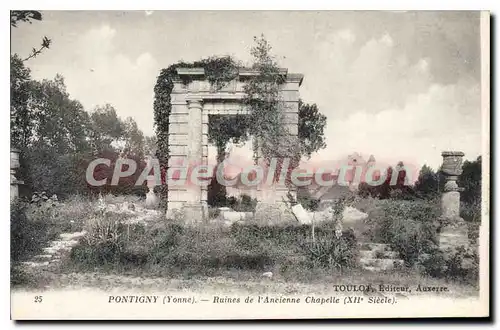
{"x":399,"y":85}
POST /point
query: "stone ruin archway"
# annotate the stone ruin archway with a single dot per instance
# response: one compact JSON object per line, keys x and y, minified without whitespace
{"x":192,"y":103}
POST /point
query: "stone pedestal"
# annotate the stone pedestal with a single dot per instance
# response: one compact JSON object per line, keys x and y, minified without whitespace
{"x":453,"y":232}
{"x":450,"y":204}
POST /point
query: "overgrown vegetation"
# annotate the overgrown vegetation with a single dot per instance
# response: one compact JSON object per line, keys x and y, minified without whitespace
{"x":172,"y":248}
{"x":333,"y":252}
{"x":218,"y":70}
{"x":411,"y":229}
{"x":27,"y":235}
{"x":459,"y":264}
{"x":33,"y":223}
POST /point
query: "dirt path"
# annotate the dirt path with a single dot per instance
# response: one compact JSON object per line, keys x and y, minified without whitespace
{"x":249,"y":284}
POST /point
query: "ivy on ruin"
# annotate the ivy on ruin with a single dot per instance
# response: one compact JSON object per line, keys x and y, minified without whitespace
{"x":267,"y":109}
{"x":218,"y":70}
{"x":265,"y":121}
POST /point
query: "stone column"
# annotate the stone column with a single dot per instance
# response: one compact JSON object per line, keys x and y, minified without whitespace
{"x":453,"y":231}
{"x":193,"y":208}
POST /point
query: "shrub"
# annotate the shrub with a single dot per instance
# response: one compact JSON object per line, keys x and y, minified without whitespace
{"x":328,"y":251}
{"x":213,"y":248}
{"x":409,"y":227}
{"x":29,"y":230}
{"x":366,"y":204}
{"x":281,"y":243}
{"x":103,"y":229}
{"x":460,"y":263}
{"x":103,"y":242}
{"x":217,"y":195}
{"x":19,"y":277}
{"x":104,"y":253}
{"x":463,"y":264}
{"x":471,"y":213}
{"x":253,"y":234}
{"x":163,"y":241}
{"x":41,"y":208}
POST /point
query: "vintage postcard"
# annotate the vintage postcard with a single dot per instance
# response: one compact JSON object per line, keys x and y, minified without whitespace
{"x":228,"y":165}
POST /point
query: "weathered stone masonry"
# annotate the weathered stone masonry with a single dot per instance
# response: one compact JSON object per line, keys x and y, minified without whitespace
{"x":192,"y":103}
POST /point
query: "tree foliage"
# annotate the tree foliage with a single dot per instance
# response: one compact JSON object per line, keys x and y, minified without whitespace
{"x":267,"y":110}
{"x":427,"y":185}
{"x":57,"y":121}
{"x":222,"y":129}
{"x":20,"y":84}
{"x":133,"y":138}
{"x":17,"y":16}
{"x":312,"y":125}
{"x":58,"y":138}
{"x":106,"y":127}
{"x":470,"y":180}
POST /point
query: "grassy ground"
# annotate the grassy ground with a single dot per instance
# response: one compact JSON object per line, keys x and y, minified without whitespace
{"x":162,"y":276}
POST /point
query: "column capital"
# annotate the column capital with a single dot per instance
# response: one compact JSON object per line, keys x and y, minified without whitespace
{"x":195,"y":103}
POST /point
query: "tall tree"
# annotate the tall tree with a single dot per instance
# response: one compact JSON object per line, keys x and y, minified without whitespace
{"x":106,"y":126}
{"x":133,"y":138}
{"x":57,"y":120}
{"x":20,"y":82}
